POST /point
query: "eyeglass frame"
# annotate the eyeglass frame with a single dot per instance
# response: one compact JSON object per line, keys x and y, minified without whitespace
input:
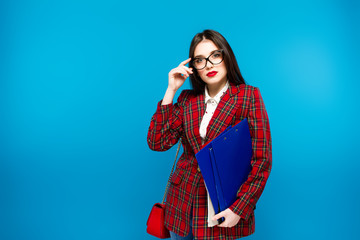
{"x":208,"y":59}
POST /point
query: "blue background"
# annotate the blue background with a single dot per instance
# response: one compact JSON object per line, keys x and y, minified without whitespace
{"x":80,"y":80}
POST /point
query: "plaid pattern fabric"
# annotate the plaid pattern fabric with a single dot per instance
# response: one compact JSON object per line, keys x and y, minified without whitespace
{"x":187,"y":195}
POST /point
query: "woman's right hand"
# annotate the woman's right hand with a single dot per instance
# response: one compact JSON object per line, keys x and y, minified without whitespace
{"x":178,"y":75}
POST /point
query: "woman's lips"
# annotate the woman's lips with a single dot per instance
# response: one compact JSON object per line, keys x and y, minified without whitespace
{"x":211,"y":74}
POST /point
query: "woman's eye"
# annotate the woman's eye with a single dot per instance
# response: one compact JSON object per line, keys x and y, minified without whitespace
{"x":199,"y":60}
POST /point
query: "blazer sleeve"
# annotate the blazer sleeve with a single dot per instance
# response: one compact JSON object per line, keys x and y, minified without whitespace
{"x":250,"y":191}
{"x":166,"y":125}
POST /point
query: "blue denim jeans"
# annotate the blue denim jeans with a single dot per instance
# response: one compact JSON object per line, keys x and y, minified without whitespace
{"x":190,"y":236}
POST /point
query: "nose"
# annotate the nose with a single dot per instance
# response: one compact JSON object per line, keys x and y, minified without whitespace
{"x":210,"y":64}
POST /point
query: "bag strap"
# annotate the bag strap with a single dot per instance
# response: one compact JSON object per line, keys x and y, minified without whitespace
{"x":172,"y":169}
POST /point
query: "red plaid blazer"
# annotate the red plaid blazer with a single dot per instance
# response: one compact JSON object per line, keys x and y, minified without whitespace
{"x":187,"y":197}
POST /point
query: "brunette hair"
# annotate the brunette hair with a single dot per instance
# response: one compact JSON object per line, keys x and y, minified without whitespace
{"x":232,"y":68}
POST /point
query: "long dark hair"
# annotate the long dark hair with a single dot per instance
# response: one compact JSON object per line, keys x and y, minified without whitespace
{"x":232,"y":68}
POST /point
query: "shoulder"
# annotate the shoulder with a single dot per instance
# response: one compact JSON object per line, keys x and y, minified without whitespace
{"x":252,"y":93}
{"x":243,"y":90}
{"x":185,"y":96}
{"x":247,"y":87}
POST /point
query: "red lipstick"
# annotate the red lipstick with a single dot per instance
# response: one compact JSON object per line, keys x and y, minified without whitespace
{"x":211,"y":74}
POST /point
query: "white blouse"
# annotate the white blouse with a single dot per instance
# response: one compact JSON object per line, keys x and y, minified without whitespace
{"x":211,"y":104}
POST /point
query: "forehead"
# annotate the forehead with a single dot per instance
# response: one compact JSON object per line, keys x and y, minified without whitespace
{"x":204,"y":48}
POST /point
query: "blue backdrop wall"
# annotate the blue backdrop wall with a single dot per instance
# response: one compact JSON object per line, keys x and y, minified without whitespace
{"x":80,"y":80}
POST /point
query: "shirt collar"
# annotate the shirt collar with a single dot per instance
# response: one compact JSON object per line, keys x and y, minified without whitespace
{"x":218,"y":95}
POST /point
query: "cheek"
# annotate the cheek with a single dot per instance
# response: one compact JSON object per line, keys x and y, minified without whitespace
{"x":201,"y":73}
{"x":223,"y":67}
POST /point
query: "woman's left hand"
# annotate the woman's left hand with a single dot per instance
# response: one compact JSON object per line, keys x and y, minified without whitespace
{"x":231,"y":218}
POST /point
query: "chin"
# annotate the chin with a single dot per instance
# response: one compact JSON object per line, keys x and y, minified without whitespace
{"x":215,"y":80}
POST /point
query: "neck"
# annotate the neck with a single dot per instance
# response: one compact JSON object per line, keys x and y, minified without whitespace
{"x":215,"y":88}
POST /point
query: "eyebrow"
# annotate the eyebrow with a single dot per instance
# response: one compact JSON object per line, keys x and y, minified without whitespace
{"x":209,"y":54}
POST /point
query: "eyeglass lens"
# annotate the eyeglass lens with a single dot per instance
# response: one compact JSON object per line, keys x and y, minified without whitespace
{"x":215,"y":58}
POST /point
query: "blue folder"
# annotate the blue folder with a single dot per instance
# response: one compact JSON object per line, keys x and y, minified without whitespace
{"x":225,"y":164}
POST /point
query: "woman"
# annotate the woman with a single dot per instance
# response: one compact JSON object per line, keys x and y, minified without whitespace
{"x":219,"y":98}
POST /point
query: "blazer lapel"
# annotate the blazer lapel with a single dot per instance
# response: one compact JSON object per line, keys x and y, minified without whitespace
{"x":193,"y":114}
{"x":224,"y":113}
{"x":220,"y":120}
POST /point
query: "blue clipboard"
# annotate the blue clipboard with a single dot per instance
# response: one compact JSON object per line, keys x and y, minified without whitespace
{"x":225,"y":164}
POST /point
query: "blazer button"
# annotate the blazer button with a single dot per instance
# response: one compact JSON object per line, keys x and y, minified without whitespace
{"x":198,"y":168}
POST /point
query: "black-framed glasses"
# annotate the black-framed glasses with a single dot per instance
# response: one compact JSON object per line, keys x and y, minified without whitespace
{"x":215,"y":58}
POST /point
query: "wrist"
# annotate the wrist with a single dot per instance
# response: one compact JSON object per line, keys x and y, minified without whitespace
{"x":168,"y":97}
{"x":171,"y":90}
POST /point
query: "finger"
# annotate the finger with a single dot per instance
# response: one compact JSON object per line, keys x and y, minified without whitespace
{"x":182,"y":71}
{"x":219,"y":215}
{"x":185,"y":62}
{"x":189,"y":70}
{"x":223,"y":224}
{"x":186,"y":76}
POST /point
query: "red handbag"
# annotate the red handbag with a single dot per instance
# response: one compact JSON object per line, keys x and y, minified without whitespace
{"x":156,"y":221}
